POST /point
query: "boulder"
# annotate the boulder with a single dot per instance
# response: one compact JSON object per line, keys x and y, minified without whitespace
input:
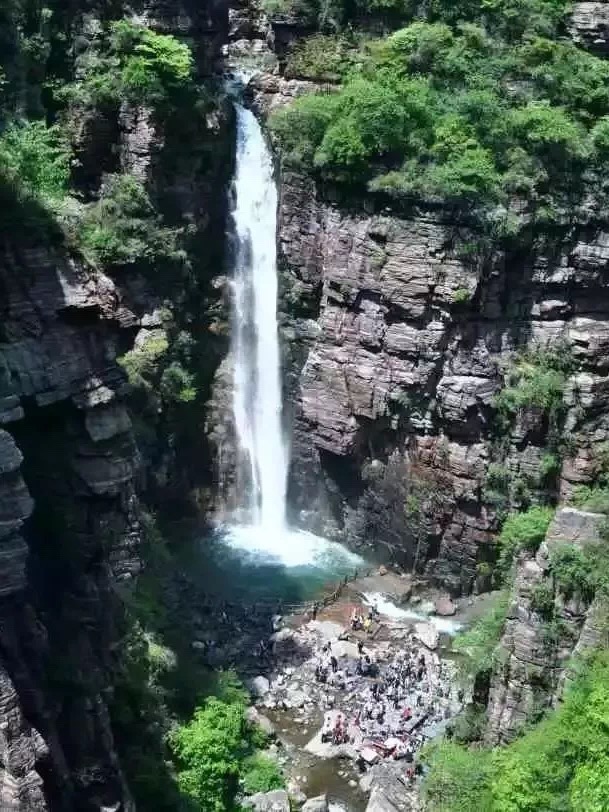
{"x":444,"y":606}
{"x":295,"y":699}
{"x":379,"y":802}
{"x":258,"y":719}
{"x":276,"y":801}
{"x":319,"y":804}
{"x":259,"y":686}
{"x":427,"y":634}
{"x":284,"y":642}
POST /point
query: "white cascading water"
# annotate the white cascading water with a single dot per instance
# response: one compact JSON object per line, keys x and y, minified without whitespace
{"x":257,"y":401}
{"x":257,"y":393}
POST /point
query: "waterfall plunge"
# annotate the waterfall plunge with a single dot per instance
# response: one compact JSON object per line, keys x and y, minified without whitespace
{"x":257,"y":400}
{"x":257,"y":394}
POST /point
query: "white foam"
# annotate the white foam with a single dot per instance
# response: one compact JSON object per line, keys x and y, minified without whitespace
{"x":389,"y":609}
{"x":289,"y":548}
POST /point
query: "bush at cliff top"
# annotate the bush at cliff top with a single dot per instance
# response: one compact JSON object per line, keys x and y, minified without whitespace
{"x":132,"y":63}
{"x":460,"y":113}
{"x":561,"y":764}
{"x":522,"y":531}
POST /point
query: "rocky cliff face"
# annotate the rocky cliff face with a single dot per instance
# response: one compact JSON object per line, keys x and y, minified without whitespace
{"x":70,"y":468}
{"x":69,"y":528}
{"x":404,"y":343}
{"x":533,"y":658}
{"x":399,"y":328}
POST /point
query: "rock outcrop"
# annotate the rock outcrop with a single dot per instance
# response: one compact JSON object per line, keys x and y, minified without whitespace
{"x":534,"y":655}
{"x":404,"y":341}
{"x":69,"y":527}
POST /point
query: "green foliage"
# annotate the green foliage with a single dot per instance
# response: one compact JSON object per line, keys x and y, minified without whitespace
{"x":522,"y":531}
{"x":536,"y":379}
{"x":561,"y":764}
{"x":581,"y":570}
{"x":215,"y":751}
{"x":478,"y":644}
{"x":549,"y":467}
{"x":542,"y":600}
{"x":261,"y":773}
{"x":132,"y":63}
{"x":36,"y":158}
{"x":123,"y":228}
{"x":158,"y":366}
{"x":505,"y":116}
{"x":209,"y":751}
{"x":322,"y":58}
{"x":594,"y":498}
{"x":458,"y":780}
{"x":462,"y":296}
{"x":469,"y":726}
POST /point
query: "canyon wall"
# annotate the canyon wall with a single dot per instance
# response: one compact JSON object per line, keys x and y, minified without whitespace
{"x":400,"y":328}
{"x":76,"y":453}
{"x":534,"y":660}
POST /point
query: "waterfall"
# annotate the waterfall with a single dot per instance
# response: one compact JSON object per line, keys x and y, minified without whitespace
{"x":257,"y":399}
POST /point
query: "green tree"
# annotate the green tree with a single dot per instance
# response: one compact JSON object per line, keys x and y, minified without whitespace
{"x":37,"y":158}
{"x":209,"y":751}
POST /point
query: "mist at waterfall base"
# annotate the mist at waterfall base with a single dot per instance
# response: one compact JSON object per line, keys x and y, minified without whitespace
{"x":268,"y":557}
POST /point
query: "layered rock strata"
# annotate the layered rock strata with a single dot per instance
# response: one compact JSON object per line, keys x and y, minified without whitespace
{"x":533,"y":658}
{"x":68,"y":526}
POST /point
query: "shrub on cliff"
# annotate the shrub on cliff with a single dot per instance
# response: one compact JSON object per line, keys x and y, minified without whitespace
{"x":123,"y":228}
{"x":37,"y":158}
{"x":561,"y":764}
{"x":522,"y":531}
{"x":478,"y":644}
{"x":131,"y":63}
{"x":503,"y":116}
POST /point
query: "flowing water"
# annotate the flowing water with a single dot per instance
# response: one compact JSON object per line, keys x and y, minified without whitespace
{"x":257,"y":400}
{"x":257,"y":391}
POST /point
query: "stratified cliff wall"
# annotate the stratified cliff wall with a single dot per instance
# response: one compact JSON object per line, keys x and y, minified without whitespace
{"x":535,"y":656}
{"x":409,"y":347}
{"x":71,"y":471}
{"x":69,"y":527}
{"x":400,"y":327}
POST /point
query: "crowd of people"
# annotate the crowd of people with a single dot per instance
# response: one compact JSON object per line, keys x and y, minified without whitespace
{"x":392,"y":696}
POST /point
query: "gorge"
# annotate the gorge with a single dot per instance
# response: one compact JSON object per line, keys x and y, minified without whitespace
{"x":358,"y":314}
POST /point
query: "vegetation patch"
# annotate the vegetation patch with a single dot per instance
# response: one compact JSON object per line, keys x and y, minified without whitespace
{"x":522,"y":531}
{"x":123,"y":228}
{"x":478,"y":644}
{"x":562,"y":763}
{"x":475,"y":106}
{"x":132,"y":63}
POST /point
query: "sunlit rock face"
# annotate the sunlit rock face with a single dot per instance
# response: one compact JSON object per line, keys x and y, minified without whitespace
{"x":399,"y":342}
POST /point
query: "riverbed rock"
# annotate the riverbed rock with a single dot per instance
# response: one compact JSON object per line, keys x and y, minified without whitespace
{"x":259,"y":686}
{"x":427,"y":634}
{"x":295,"y":699}
{"x":444,"y":606}
{"x":319,"y":804}
{"x":276,"y":801}
{"x":258,"y":719}
{"x":379,"y":802}
{"x":284,"y":643}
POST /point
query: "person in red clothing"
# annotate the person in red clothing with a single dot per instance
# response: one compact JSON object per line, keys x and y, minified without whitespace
{"x":407,"y":714}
